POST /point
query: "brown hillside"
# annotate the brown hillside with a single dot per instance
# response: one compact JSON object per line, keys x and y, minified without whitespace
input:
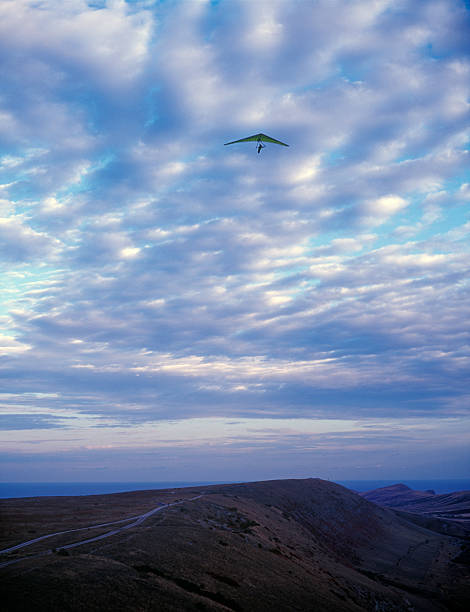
{"x":276,"y":545}
{"x":454,"y":507}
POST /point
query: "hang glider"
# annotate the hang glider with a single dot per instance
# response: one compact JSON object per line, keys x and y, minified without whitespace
{"x":259,"y":139}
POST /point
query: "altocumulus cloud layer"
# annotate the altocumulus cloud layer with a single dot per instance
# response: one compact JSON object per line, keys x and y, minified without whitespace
{"x":173,"y":308}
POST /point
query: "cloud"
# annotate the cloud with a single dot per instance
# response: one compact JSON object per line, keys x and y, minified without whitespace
{"x":153,"y":273}
{"x":380,"y":210}
{"x":19,"y":242}
{"x":228,"y":451}
{"x":20,"y":422}
{"x":9,"y":346}
{"x":107,"y":45}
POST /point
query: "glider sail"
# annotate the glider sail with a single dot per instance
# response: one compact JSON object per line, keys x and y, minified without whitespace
{"x":258,"y":138}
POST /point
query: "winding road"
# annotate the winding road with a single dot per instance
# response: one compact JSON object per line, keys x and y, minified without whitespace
{"x":137,"y":520}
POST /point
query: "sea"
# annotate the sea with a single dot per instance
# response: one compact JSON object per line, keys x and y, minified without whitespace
{"x":54,"y":489}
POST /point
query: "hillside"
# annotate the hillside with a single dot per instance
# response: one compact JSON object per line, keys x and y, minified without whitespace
{"x":398,"y":495}
{"x":275,"y":545}
{"x":453,"y":509}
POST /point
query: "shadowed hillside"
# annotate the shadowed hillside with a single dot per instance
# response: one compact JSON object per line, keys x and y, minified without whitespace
{"x":274,"y":545}
{"x":447,"y":513}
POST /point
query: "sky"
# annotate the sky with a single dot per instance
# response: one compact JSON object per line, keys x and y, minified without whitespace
{"x":177,"y":309}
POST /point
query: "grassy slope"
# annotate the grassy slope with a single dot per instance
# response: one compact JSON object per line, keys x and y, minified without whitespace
{"x":276,"y":545}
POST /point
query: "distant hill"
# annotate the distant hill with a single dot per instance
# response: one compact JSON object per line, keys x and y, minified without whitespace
{"x":397,"y":495}
{"x":453,"y":509}
{"x":285,"y":545}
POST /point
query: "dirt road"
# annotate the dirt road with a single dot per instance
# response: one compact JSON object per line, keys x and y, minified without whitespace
{"x":136,"y":520}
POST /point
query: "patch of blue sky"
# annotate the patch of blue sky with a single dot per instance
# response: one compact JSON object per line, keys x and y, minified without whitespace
{"x":411,"y":221}
{"x":325,"y":82}
{"x":93,"y":106}
{"x":153,"y":117}
{"x":430,"y":51}
{"x":8,"y":162}
{"x":8,"y":178}
{"x":451,"y":219}
{"x":326,"y":238}
{"x":17,"y":183}
{"x":19,"y":155}
{"x":411,"y":156}
{"x":137,"y":4}
{"x":333,"y":158}
{"x":151,"y":106}
{"x":143,"y":4}
{"x":89,"y":177}
{"x":454,"y":184}
{"x":17,"y":422}
{"x":212,"y":17}
{"x":103,"y":161}
{"x":420,"y":153}
{"x":23,"y":192}
{"x":305,"y":286}
{"x":89,"y":103}
{"x":14,"y":171}
{"x":16,"y":285}
{"x":353,"y":71}
{"x":294,"y":272}
{"x":411,"y":218}
{"x":17,"y":178}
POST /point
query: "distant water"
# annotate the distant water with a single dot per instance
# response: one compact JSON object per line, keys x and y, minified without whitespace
{"x":41,"y":489}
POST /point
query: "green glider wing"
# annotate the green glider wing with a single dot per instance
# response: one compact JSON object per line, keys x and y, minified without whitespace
{"x":258,"y":138}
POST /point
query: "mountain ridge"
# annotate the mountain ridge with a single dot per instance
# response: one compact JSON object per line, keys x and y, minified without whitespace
{"x":282,"y":544}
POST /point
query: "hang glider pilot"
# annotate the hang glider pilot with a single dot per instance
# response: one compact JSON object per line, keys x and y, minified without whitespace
{"x":259,"y":139}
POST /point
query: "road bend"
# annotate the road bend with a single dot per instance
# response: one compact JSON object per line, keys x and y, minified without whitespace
{"x":137,"y":520}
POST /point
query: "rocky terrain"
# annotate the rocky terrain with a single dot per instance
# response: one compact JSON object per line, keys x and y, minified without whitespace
{"x":277,"y":545}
